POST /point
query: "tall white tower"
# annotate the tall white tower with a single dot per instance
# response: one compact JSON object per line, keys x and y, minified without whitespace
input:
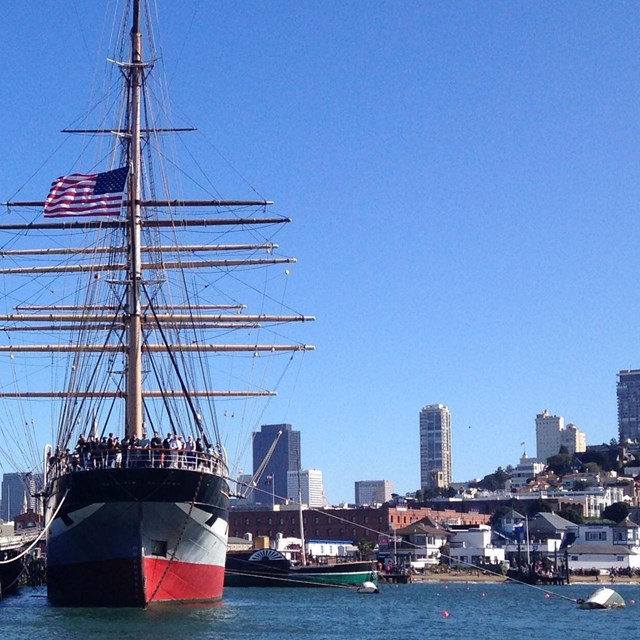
{"x":306,"y":485}
{"x":435,"y":447}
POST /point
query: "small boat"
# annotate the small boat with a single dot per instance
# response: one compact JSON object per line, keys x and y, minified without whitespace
{"x":603,"y":598}
{"x":15,"y":561}
{"x":270,"y":568}
{"x":11,"y":568}
{"x":368,"y":587}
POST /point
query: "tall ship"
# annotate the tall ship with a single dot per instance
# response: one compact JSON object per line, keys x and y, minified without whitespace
{"x":121,"y":282}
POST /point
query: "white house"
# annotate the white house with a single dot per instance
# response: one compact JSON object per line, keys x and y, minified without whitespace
{"x":471,"y":545}
{"x":420,"y":542}
{"x":604,"y":546}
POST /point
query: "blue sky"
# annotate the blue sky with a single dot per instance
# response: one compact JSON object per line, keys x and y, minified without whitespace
{"x":464,"y":184}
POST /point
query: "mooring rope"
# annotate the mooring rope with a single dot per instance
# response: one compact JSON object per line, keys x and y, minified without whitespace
{"x":40,"y":536}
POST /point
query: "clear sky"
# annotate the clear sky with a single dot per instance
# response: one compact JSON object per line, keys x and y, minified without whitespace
{"x":464,"y":183}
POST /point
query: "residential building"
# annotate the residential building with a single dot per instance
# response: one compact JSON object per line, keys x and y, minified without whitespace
{"x":418,"y":543}
{"x":628,"y":392}
{"x":435,"y":447}
{"x":602,"y":546}
{"x":276,"y":451}
{"x":551,"y":434}
{"x":541,"y":536}
{"x":370,"y":492}
{"x":527,"y":469}
{"x":306,"y":486}
{"x":472,"y":545}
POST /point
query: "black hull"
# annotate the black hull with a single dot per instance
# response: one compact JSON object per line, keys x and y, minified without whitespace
{"x":128,"y":537}
{"x":10,"y":573}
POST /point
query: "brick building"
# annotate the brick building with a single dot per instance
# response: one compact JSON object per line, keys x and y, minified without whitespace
{"x":340,"y":524}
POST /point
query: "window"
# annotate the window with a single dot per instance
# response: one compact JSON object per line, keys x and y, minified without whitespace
{"x":595,"y":535}
{"x":159,"y":548}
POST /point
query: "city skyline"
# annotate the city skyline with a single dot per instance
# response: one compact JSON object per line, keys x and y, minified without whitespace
{"x":462,"y":183}
{"x":278,"y":445}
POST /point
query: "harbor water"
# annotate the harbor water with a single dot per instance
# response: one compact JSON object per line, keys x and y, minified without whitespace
{"x":487,"y":611}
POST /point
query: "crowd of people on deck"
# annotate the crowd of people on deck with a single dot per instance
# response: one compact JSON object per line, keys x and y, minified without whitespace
{"x":173,"y":451}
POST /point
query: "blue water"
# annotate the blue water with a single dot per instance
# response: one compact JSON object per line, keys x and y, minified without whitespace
{"x":403,"y":612}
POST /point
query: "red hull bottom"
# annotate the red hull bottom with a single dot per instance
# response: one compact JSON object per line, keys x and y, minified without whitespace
{"x":133,"y":582}
{"x":169,"y":581}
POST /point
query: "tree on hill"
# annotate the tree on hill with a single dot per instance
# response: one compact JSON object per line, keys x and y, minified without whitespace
{"x":560,"y":464}
{"x":582,"y":484}
{"x":539,"y":505}
{"x":601,"y":459}
{"x":572,"y":513}
{"x":617,"y":512}
{"x":493,"y":481}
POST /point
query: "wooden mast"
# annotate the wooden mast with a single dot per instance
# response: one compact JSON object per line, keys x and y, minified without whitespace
{"x":133,"y":421}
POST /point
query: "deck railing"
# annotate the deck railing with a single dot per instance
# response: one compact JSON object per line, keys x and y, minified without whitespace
{"x":136,"y":458}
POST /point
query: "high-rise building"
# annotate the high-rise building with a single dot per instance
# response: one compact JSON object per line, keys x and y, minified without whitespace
{"x":435,"y":447}
{"x":574,"y":439}
{"x":548,"y":430}
{"x":276,"y":450}
{"x":244,"y":487}
{"x":628,"y":392}
{"x":551,"y":434}
{"x":18,"y":491}
{"x":369,"y":492}
{"x":306,"y":486}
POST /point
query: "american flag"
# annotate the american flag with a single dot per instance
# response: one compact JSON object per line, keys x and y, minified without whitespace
{"x":93,"y":194}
